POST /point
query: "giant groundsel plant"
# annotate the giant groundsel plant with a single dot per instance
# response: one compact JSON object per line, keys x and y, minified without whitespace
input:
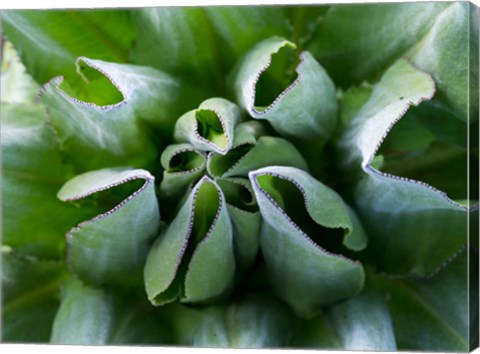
{"x":249,"y":177}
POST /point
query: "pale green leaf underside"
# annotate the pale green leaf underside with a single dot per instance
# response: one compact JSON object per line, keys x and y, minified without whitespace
{"x":112,"y":247}
{"x":424,"y":226}
{"x":16,"y":86}
{"x":360,"y":323}
{"x":364,"y":323}
{"x":257,"y":321}
{"x":301,"y":272}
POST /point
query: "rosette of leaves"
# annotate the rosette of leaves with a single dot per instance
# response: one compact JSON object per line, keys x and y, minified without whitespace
{"x":241,"y":176}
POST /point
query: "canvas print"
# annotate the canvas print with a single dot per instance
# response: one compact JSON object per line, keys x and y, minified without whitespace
{"x":241,"y":177}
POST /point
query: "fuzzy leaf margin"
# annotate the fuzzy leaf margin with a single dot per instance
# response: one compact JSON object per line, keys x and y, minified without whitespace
{"x":112,"y":247}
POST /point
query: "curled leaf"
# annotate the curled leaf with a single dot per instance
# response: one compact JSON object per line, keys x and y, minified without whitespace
{"x":250,"y":151}
{"x":112,"y":247}
{"x":193,"y":259}
{"x":303,"y":224}
{"x":312,"y":90}
{"x":183,"y":165}
{"x":399,"y":213}
{"x":102,"y":117}
{"x":245,"y":217}
{"x":209,"y":127}
{"x":440,"y":41}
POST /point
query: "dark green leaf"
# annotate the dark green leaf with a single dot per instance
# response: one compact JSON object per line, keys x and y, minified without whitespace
{"x":34,"y":221}
{"x":50,"y":41}
{"x":429,"y":314}
{"x":30,"y":296}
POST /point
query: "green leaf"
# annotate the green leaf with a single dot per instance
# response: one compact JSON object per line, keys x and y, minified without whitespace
{"x":245,"y":217}
{"x":112,"y":247}
{"x":99,"y":316}
{"x":406,"y":220}
{"x":30,"y":296}
{"x":348,"y":43}
{"x":230,"y":22}
{"x":16,"y":86}
{"x":364,"y":323}
{"x":49,"y":41}
{"x":429,"y":314}
{"x":183,"y":165}
{"x":360,"y":323}
{"x":33,"y":220}
{"x":301,"y":239}
{"x":256,"y":321}
{"x":209,"y":127}
{"x":200,"y":44}
{"x":303,"y":20}
{"x":312,"y":90}
{"x":251,"y":151}
{"x":109,"y":131}
{"x":177,"y":40}
{"x":193,"y":258}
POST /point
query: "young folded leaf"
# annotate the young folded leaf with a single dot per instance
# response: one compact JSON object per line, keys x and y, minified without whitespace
{"x":30,"y":292}
{"x":399,"y":213}
{"x":250,"y":152}
{"x":209,"y":127}
{"x":306,"y":109}
{"x":245,"y":217}
{"x":193,"y":259}
{"x":303,"y":224}
{"x":100,"y":316}
{"x":112,"y":247}
{"x":256,"y":321}
{"x":109,"y":131}
{"x":183,"y":165}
